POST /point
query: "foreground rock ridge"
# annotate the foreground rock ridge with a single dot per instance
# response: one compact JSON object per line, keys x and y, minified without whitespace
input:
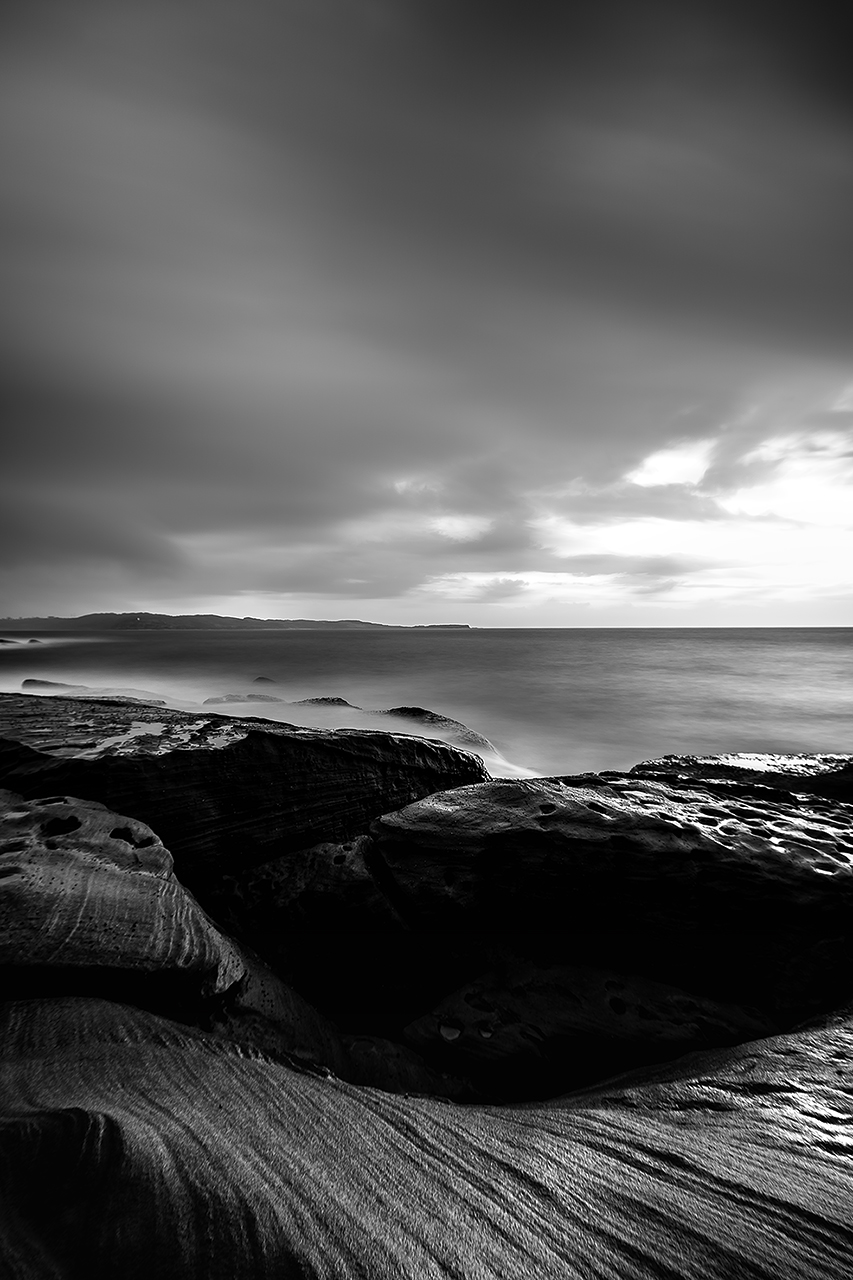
{"x":142,"y":1148}
{"x":287,"y":1002}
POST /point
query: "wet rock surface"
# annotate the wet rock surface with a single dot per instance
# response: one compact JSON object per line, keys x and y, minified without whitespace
{"x":260,"y":1085}
{"x":223,"y":794}
{"x":135,"y":1147}
{"x":819,"y":775}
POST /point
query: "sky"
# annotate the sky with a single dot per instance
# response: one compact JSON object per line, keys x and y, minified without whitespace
{"x":524,"y":313}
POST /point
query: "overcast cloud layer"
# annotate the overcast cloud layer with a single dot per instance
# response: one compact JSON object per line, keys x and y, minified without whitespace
{"x":428,"y":310}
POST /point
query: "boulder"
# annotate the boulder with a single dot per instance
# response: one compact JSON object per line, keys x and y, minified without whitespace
{"x":713,"y":894}
{"x":223,"y":793}
{"x":525,"y":1031}
{"x":443,"y":726}
{"x":134,"y":1147}
{"x":89,"y":904}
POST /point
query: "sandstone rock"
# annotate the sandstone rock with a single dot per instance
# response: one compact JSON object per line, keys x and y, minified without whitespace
{"x":223,"y":793}
{"x":626,"y":847}
{"x":703,"y":892}
{"x":89,"y":903}
{"x":821,"y":775}
{"x":526,"y":1031}
{"x":84,"y":887}
{"x":134,"y":1148}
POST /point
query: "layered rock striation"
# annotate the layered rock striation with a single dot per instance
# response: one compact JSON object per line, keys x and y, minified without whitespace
{"x":89,"y":903}
{"x":134,"y":1147}
{"x":253,"y":1079}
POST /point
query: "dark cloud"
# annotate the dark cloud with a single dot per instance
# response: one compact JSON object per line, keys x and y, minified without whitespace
{"x":44,"y":527}
{"x":290,"y":284}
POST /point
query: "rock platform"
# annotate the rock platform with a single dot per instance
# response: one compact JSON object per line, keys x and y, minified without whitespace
{"x":335,"y":1004}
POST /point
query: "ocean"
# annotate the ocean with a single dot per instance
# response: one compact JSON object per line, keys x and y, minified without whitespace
{"x":552,"y":701}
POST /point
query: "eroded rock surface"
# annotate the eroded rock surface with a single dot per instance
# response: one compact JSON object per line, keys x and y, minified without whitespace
{"x":749,"y":862}
{"x":524,"y":1031}
{"x":520,"y":928}
{"x":820,"y":775}
{"x":82,"y":886}
{"x":89,"y":903}
{"x":681,"y":885}
{"x":745,"y":901}
{"x":133,"y":1147}
{"x":223,"y":793}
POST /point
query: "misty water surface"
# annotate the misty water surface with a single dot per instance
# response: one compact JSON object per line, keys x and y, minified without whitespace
{"x":553,"y":701}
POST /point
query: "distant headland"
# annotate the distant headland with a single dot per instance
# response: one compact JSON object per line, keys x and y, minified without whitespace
{"x":208,"y":622}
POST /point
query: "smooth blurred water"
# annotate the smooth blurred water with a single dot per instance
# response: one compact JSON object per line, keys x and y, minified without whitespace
{"x":555,"y":701}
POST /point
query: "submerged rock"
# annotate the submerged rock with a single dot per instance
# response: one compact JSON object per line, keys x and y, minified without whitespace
{"x":324,"y":702}
{"x":133,"y":1147}
{"x":444,"y":727}
{"x":223,"y":793}
{"x":88,"y":691}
